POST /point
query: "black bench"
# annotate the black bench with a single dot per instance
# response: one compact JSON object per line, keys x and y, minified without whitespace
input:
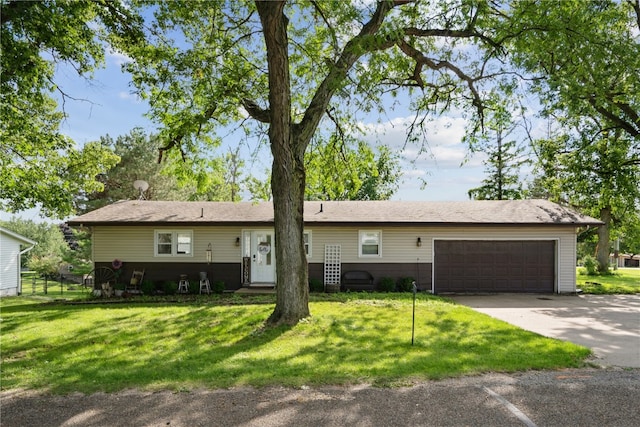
{"x":357,"y":280}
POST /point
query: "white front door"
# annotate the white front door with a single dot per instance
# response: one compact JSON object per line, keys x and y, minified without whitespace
{"x":263,"y":260}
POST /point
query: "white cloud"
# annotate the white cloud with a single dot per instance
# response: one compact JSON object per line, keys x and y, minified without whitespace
{"x":441,"y":147}
{"x":441,"y":160}
{"x":414,"y":173}
{"x":129,"y":96}
{"x":118,"y":58}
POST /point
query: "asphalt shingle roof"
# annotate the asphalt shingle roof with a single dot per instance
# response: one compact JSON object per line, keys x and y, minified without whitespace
{"x":507,"y":212}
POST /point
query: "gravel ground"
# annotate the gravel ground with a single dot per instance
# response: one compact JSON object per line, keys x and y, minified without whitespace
{"x":585,"y":397}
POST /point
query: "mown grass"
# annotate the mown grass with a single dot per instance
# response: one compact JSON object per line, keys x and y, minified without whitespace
{"x":222,"y":342}
{"x":621,"y":281}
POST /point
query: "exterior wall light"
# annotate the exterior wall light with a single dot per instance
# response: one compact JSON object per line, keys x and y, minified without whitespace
{"x":419,"y":242}
{"x":237,"y":241}
{"x":209,"y":254}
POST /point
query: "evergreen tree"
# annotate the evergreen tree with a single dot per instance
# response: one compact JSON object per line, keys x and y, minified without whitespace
{"x":503,"y":171}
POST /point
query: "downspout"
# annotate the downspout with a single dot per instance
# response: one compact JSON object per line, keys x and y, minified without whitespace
{"x":19,"y":290}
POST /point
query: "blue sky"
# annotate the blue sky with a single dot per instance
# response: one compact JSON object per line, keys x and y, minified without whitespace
{"x":107,"y":106}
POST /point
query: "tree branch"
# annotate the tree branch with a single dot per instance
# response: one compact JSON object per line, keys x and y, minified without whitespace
{"x":176,"y":141}
{"x":255,"y":111}
{"x":422,"y":60}
{"x":338,"y":72}
{"x":621,"y":123}
{"x":436,"y":32}
{"x":316,"y":6}
{"x":336,"y":122}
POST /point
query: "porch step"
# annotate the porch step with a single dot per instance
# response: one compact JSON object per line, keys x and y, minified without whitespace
{"x":270,"y":289}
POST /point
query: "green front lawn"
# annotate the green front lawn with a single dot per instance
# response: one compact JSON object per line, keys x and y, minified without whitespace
{"x":621,"y":281}
{"x":221,"y":342}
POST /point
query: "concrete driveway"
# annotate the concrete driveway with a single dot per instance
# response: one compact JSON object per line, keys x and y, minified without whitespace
{"x":608,"y":324}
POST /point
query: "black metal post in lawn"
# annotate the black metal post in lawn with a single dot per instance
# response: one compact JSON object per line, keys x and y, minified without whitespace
{"x":413,"y":320}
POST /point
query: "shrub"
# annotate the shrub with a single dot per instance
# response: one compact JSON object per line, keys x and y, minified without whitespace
{"x":217,"y":287}
{"x":590,"y":265}
{"x":194,"y":287}
{"x":46,"y":266}
{"x":147,"y":287}
{"x":316,"y":285}
{"x":405,"y":284}
{"x":387,"y":284}
{"x":169,"y":287}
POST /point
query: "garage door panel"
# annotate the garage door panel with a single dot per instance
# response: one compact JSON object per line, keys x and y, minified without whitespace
{"x":491,"y":285}
{"x":486,"y":271}
{"x":494,"y":266}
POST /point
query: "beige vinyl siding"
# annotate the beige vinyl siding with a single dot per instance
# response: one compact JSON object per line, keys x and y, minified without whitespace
{"x":136,"y":244}
{"x":567,"y":262}
{"x":399,"y":244}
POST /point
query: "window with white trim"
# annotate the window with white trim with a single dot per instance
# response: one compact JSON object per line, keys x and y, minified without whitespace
{"x":369,"y":243}
{"x":173,"y":243}
{"x":307,"y":243}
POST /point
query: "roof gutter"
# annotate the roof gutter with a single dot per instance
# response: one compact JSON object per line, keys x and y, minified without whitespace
{"x":28,"y":249}
{"x":19,"y":290}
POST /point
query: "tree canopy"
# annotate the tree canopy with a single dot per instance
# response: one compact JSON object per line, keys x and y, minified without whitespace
{"x":585,"y":59}
{"x":285,"y":72}
{"x":38,"y":164}
{"x":295,"y":68}
{"x":338,"y":171}
{"x":600,"y":177}
{"x":137,"y":155}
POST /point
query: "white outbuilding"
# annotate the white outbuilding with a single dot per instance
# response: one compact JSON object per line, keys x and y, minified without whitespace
{"x":12,"y":245}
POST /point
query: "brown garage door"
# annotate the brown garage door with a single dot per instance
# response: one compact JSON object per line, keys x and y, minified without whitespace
{"x":494,"y":266}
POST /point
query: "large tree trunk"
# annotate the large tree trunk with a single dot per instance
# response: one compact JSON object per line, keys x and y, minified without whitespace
{"x":604,"y":245}
{"x":288,"y":144}
{"x":292,"y":288}
{"x":287,"y":176}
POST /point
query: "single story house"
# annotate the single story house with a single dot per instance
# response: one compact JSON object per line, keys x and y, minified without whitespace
{"x":447,"y":247}
{"x":11,"y":248}
{"x":625,"y":260}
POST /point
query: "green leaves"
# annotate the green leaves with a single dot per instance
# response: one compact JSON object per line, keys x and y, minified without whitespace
{"x":50,"y":175}
{"x":39,"y":165}
{"x":350,"y":170}
{"x":587,"y":57}
{"x":197,"y":177}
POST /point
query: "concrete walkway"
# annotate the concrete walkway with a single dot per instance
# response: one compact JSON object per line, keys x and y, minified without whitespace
{"x":608,"y":324}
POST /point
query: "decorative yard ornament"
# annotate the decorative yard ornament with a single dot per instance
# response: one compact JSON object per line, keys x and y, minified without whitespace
{"x":209,"y":254}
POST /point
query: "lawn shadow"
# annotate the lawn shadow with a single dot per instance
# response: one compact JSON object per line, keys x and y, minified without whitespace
{"x":187,"y":346}
{"x":149,"y":350}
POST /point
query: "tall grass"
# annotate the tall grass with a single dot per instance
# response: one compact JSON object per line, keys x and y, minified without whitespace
{"x":222,"y":343}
